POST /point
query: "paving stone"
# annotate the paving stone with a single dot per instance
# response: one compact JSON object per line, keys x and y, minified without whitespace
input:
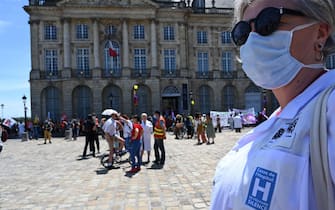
{"x":53,"y":176}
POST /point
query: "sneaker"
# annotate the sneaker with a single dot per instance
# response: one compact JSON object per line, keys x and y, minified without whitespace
{"x":133,"y":170}
{"x":137,"y":169}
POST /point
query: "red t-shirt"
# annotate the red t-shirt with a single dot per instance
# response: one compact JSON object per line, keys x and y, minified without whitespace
{"x":140,"y":129}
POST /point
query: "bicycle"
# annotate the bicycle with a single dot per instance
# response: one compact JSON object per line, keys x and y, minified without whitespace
{"x":117,"y":159}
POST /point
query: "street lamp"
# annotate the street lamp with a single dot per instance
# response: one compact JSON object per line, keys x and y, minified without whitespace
{"x":192,"y":101}
{"x":2,"y":106}
{"x":24,"y":99}
{"x":135,"y":97}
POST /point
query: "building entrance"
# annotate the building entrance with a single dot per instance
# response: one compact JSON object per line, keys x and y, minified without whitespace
{"x":170,"y":104}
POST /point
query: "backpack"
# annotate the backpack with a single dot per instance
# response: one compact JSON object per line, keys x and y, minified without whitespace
{"x":4,"y":135}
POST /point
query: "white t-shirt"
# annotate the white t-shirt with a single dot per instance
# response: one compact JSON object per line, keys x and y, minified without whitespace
{"x":269,"y":168}
{"x":127,"y":128}
{"x":110,"y":127}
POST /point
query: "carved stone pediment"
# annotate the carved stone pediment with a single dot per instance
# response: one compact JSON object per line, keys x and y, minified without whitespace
{"x":101,"y":3}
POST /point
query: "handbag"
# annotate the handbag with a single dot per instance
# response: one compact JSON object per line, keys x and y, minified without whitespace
{"x":322,"y":180}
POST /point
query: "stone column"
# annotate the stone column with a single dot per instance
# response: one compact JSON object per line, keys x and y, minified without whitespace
{"x":125,"y":44}
{"x":153,"y":45}
{"x":125,"y":49}
{"x":96,"y":47}
{"x":34,"y":34}
{"x":66,"y":44}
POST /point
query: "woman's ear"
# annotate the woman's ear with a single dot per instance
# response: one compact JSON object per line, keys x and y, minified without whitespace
{"x":323,"y":33}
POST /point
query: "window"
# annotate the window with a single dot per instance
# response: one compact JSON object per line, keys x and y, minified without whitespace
{"x":330,"y":61}
{"x":82,"y":31}
{"x":110,"y":30}
{"x":169,"y":60}
{"x":202,"y":37}
{"x":226,"y":61}
{"x":82,"y":101}
{"x":51,"y":61}
{"x":83,"y":60}
{"x":140,"y":59}
{"x":50,"y":32}
{"x":225,"y":37}
{"x":168,"y":33}
{"x":112,"y":62}
{"x":138,"y":32}
{"x":202,"y":62}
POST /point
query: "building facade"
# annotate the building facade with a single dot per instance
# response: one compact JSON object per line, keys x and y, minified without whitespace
{"x":136,"y":56}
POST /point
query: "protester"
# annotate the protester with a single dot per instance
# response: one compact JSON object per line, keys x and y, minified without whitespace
{"x":96,"y":132}
{"x":189,"y":127}
{"x":36,"y":124}
{"x":200,"y":128}
{"x":159,"y":136}
{"x":178,"y":125}
{"x":109,"y":129}
{"x":147,"y":132}
{"x":21,"y":129}
{"x":47,"y":129}
{"x":288,"y":161}
{"x":89,"y":129}
{"x":127,"y":128}
{"x":2,"y":137}
{"x":210,"y":131}
{"x":136,"y":136}
{"x":237,"y":122}
{"x":75,"y":128}
{"x":218,"y":124}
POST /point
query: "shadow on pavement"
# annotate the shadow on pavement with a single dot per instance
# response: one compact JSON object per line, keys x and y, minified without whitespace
{"x":156,"y":167}
{"x":102,"y":171}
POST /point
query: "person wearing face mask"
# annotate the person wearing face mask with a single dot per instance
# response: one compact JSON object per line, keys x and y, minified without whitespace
{"x":288,"y":161}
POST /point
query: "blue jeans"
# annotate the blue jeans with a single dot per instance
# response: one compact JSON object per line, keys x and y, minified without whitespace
{"x":127,"y":144}
{"x":135,"y":153}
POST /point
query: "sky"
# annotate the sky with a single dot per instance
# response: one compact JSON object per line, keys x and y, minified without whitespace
{"x":15,"y":61}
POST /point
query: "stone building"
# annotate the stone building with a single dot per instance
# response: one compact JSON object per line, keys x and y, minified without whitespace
{"x":136,"y":56}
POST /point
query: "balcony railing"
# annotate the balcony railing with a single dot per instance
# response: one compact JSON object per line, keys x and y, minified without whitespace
{"x":112,"y":73}
{"x":170,"y":73}
{"x":204,"y":75}
{"x":140,"y":73}
{"x":228,"y":74}
{"x":49,"y":74}
{"x":78,"y":73}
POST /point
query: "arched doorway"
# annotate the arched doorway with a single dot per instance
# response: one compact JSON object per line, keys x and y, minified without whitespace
{"x":205,"y":98}
{"x":82,"y":101}
{"x":253,"y":98}
{"x":51,"y":100}
{"x":170,"y":100}
{"x":143,"y":98}
{"x":112,"y":98}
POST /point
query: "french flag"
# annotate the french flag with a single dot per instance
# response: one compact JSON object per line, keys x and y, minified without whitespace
{"x":112,"y":51}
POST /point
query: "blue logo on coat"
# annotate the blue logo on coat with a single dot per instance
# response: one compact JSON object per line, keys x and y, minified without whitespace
{"x":261,"y":189}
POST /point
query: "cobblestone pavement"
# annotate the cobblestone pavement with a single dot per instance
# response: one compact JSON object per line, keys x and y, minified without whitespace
{"x":52,"y":176}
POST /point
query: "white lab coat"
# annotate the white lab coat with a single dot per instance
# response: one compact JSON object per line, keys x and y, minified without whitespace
{"x":269,"y":168}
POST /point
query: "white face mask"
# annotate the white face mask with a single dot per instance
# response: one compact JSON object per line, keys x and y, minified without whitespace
{"x":267,"y":60}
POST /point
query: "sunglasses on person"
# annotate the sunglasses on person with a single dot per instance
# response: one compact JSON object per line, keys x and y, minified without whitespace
{"x":266,"y":22}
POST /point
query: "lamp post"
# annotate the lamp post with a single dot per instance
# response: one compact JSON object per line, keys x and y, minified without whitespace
{"x":135,"y":97}
{"x":24,"y":99}
{"x":2,"y":106}
{"x":192,"y":102}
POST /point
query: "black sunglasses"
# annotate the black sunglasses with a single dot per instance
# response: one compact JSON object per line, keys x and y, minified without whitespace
{"x":266,"y":22}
